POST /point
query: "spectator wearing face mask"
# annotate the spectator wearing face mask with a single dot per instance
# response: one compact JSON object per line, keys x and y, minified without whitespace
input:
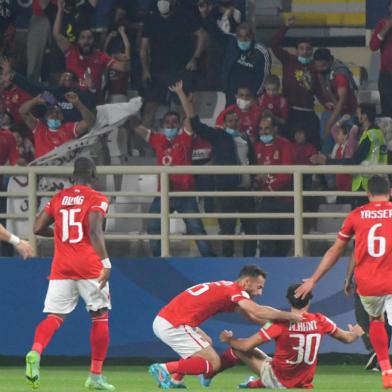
{"x":171,"y":46}
{"x":173,"y":147}
{"x":83,"y":59}
{"x":337,"y":92}
{"x":246,"y":62}
{"x":229,"y":147}
{"x":248,"y":111}
{"x":299,"y":84}
{"x":54,"y":132}
{"x":272,"y":149}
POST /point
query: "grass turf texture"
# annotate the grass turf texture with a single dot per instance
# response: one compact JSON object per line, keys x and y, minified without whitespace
{"x":342,"y":378}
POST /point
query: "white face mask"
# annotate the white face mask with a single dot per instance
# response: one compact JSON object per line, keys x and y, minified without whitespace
{"x":243,"y":104}
{"x":163,"y":6}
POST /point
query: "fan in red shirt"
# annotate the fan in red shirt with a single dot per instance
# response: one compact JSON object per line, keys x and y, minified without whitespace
{"x":371,"y":225}
{"x":8,"y":151}
{"x":53,"y":133}
{"x":272,"y":149}
{"x":177,"y":324}
{"x":12,"y":97}
{"x":80,"y":268}
{"x":174,"y":147}
{"x":297,"y":346}
{"x":248,"y":112}
{"x":83,"y":59}
{"x":272,"y":100}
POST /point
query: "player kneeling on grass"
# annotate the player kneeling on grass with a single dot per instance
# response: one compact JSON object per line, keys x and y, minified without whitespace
{"x":297,"y":347}
{"x":80,"y":267}
{"x":177,"y":325}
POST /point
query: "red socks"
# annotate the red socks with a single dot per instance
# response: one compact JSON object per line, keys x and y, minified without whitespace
{"x":45,"y":331}
{"x":255,"y":384}
{"x":228,"y":360}
{"x":379,"y":339}
{"x":191,"y":366}
{"x":99,"y":339}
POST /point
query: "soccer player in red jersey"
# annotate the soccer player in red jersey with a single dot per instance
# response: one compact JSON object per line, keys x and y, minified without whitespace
{"x":371,"y":224}
{"x":177,"y":325}
{"x":80,"y":268}
{"x":297,"y":345}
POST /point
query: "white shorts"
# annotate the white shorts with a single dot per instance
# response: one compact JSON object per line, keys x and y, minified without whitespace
{"x":63,"y":295}
{"x":268,"y":377}
{"x":184,"y":340}
{"x":376,"y":306}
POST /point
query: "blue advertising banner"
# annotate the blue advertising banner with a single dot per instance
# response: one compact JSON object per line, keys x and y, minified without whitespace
{"x":140,"y":287}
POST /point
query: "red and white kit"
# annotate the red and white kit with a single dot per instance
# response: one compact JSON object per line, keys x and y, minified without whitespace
{"x":176,"y":323}
{"x":297,"y":346}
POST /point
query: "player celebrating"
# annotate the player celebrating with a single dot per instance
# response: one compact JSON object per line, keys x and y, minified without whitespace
{"x":23,"y":247}
{"x":297,"y":347}
{"x":80,"y":267}
{"x":371,"y":225}
{"x":177,"y":325}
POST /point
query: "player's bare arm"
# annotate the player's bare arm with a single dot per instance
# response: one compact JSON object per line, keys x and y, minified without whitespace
{"x":98,"y":242}
{"x":348,"y":281}
{"x":328,"y":261}
{"x":243,"y":345}
{"x":263,"y":313}
{"x":23,"y":247}
{"x":354,"y":332}
{"x":42,"y":224}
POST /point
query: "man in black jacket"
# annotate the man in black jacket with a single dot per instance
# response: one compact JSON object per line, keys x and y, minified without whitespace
{"x":229,"y":147}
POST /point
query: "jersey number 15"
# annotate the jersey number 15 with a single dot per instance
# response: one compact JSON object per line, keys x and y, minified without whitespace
{"x":69,"y":221}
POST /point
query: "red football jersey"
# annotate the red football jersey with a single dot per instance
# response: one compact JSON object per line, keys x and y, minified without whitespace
{"x":297,"y":346}
{"x":276,"y":104}
{"x":46,"y":140}
{"x":279,"y":152}
{"x":97,"y":61}
{"x":249,"y":119}
{"x":74,"y":256}
{"x":8,"y":151}
{"x":13,"y":99}
{"x":174,"y":152}
{"x":198,"y":303}
{"x":372,"y":226}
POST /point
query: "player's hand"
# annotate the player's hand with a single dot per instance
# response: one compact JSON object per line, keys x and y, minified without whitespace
{"x":39,"y":100}
{"x":103,"y":277}
{"x":72,"y":97}
{"x":24,"y":248}
{"x":295,"y":317}
{"x":225,"y":336}
{"x":348,"y":286}
{"x":176,"y":87}
{"x":306,"y":287}
{"x":356,"y":330}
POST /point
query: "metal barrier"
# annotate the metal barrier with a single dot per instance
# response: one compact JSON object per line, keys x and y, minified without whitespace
{"x":164,"y":171}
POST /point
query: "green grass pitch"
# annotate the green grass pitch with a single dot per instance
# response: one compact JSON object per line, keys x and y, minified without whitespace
{"x":342,"y":378}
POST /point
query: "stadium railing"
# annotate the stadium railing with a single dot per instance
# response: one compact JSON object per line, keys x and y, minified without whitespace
{"x":298,"y":215}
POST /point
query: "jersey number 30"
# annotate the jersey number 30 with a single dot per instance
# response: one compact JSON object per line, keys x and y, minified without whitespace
{"x":307,"y":349}
{"x":69,"y":221}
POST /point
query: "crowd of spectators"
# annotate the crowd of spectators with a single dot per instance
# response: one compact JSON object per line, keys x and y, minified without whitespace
{"x":166,"y":52}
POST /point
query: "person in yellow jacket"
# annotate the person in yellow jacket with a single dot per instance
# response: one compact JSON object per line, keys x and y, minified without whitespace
{"x":372,"y":149}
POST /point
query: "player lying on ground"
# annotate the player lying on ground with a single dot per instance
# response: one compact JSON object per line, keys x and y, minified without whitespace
{"x":23,"y":247}
{"x":177,"y":324}
{"x":371,"y":225}
{"x":80,"y":267}
{"x":297,"y":345}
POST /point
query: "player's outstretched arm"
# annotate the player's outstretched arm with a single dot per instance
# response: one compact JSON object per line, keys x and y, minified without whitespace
{"x":350,"y":336}
{"x":98,"y":242}
{"x":263,"y":313}
{"x":243,"y":345}
{"x":328,"y":261}
{"x":23,"y":247}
